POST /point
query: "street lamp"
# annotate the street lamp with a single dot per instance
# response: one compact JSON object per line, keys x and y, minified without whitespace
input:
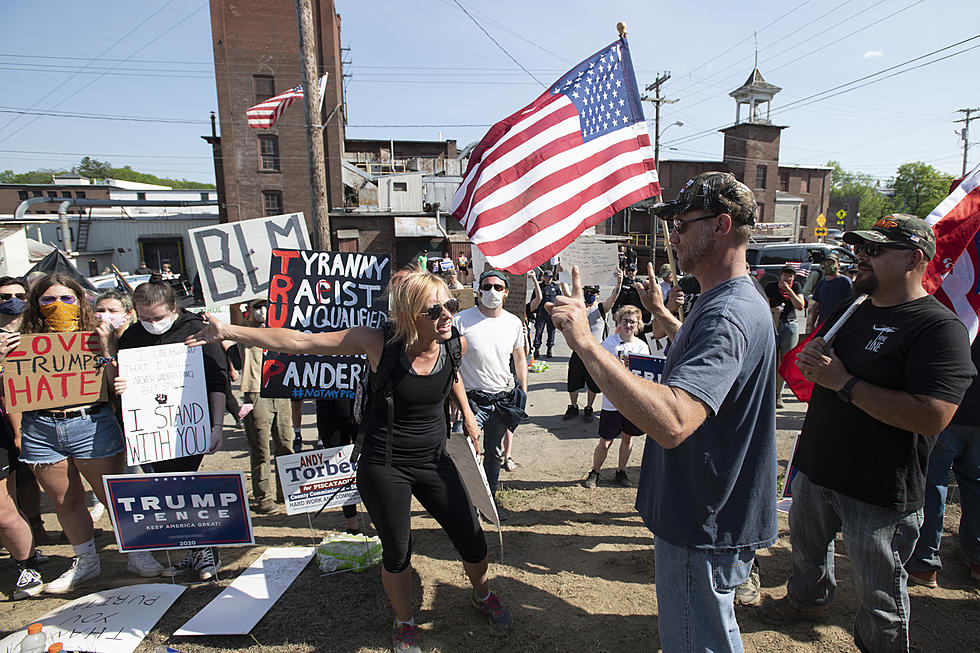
{"x":678,"y":123}
{"x":656,"y":145}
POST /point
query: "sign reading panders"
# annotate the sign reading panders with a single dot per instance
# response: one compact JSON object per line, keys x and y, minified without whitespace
{"x":320,"y":292}
{"x":233,"y":258}
{"x":52,"y":370}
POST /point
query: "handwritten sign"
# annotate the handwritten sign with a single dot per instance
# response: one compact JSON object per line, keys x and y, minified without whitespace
{"x":320,"y":292}
{"x":597,"y":262}
{"x":647,"y":367}
{"x":178,"y":511}
{"x":52,"y":370}
{"x":465,"y":297}
{"x":111,"y":621}
{"x":233,"y":258}
{"x":165,"y":406}
{"x":314,"y":479}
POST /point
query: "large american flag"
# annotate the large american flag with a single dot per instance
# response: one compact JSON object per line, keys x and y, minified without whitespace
{"x":567,"y":161}
{"x":265,"y":114}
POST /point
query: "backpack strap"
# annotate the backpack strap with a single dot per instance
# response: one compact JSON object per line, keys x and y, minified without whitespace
{"x":454,"y":347}
{"x":380,"y":387}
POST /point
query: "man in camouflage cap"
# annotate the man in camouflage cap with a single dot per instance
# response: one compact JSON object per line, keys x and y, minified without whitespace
{"x":706,"y":485}
{"x":898,"y":231}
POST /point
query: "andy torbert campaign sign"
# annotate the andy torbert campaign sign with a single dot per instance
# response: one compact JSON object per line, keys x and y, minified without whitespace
{"x":179,"y":510}
{"x":315,"y":479}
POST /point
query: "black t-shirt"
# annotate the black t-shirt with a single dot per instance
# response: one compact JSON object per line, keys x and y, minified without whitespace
{"x":919,"y":347}
{"x":968,"y":413}
{"x":775,"y":297}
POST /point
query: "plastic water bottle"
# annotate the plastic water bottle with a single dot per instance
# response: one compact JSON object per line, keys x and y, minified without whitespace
{"x":34,"y":642}
{"x":165,"y":649}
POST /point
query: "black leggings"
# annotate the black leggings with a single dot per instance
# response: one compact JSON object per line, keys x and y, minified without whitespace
{"x":387,"y":494}
{"x":337,"y":428}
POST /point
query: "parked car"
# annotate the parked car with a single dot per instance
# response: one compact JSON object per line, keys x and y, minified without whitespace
{"x":767,"y":259}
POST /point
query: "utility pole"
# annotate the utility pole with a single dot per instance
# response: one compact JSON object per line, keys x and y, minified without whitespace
{"x":965,"y":134}
{"x":314,"y":126}
{"x":657,"y":100}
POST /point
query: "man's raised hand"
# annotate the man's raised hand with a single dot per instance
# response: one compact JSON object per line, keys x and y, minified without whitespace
{"x":651,"y":296}
{"x":569,"y":315}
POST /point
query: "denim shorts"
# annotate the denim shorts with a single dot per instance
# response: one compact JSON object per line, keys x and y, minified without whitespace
{"x":46,"y":439}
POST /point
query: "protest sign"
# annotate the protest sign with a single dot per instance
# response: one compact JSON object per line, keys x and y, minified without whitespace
{"x":465,"y":297}
{"x":165,"y":407}
{"x":786,"y":491}
{"x":111,"y":621}
{"x":233,"y":258}
{"x":243,"y":603}
{"x":52,"y":370}
{"x":647,"y":367}
{"x":319,"y":292}
{"x":315,"y":479}
{"x":178,"y":511}
{"x":474,"y":477}
{"x":597,"y":262}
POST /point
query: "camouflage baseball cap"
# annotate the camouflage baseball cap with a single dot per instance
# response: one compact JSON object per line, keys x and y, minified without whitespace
{"x":718,"y":192}
{"x":898,"y":228}
{"x":663,"y":270}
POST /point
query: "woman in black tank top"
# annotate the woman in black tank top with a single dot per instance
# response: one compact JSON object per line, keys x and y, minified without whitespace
{"x":421,"y":381}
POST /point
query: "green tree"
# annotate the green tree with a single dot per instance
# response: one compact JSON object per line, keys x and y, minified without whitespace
{"x":43,"y":176}
{"x":919,"y":188}
{"x":844,"y":183}
{"x":93,"y":168}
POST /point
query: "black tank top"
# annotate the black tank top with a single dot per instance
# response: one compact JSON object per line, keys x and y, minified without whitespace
{"x":420,"y":425}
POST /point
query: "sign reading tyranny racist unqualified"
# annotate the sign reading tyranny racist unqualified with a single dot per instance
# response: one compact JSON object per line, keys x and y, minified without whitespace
{"x":314,"y":479}
{"x":165,"y":406}
{"x":320,"y":292}
{"x":52,"y":370}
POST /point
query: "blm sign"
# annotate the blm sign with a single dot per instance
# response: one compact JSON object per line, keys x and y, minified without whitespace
{"x":320,"y":292}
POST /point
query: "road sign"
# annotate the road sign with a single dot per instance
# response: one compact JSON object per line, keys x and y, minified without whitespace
{"x":841,"y":214}
{"x":820,"y":231}
{"x":821,"y":220}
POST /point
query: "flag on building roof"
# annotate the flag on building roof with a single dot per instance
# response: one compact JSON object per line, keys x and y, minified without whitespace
{"x":573,"y":157}
{"x":265,"y":114}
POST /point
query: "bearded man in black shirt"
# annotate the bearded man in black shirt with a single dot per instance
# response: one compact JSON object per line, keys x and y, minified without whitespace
{"x":886,"y":384}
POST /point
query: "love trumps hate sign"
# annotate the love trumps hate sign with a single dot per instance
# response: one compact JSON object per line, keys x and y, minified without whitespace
{"x":320,"y":292}
{"x":52,"y":370}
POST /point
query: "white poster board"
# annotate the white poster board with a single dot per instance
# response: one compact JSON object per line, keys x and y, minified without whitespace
{"x":243,"y":603}
{"x":233,"y":258}
{"x":597,"y":262}
{"x":165,"y":405}
{"x":314,"y":479}
{"x":471,"y":472}
{"x":112,"y":621}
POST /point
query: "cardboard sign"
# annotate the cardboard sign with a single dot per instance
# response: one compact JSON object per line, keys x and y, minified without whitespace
{"x":178,"y":511}
{"x":243,"y":603}
{"x":320,"y":292}
{"x":786,"y":492}
{"x":52,"y":370}
{"x":465,"y":297}
{"x":165,"y":406}
{"x":233,"y":258}
{"x":647,"y":367}
{"x":597,"y":262}
{"x":315,"y":479}
{"x":111,"y":621}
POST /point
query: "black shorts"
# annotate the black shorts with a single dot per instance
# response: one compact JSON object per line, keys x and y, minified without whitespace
{"x":612,"y":423}
{"x":7,"y":461}
{"x":578,"y":376}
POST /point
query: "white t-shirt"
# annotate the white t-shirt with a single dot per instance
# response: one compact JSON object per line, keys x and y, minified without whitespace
{"x":597,"y":321}
{"x":614,"y":342}
{"x":490,"y":344}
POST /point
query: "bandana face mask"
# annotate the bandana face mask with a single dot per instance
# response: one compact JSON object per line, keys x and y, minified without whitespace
{"x":61,"y":317}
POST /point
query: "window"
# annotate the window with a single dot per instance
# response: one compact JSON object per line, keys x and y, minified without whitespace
{"x":37,"y":193}
{"x":80,"y":194}
{"x":777,"y":255}
{"x":805,"y":182}
{"x":804,"y":211}
{"x":66,"y":193}
{"x":272,"y":202}
{"x":847,"y":207}
{"x":265,"y":87}
{"x":760,"y":177}
{"x":205,"y":197}
{"x":53,"y":193}
{"x":762,"y":212}
{"x":784,"y":182}
{"x":399,"y":186}
{"x":22,"y":195}
{"x":140,"y":196}
{"x":269,"y":152}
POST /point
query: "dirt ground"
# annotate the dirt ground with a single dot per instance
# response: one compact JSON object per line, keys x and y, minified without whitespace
{"x":576,"y":568}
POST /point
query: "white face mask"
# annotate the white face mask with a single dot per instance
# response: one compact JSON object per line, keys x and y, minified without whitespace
{"x":159,"y":327}
{"x":117,"y":320}
{"x":491,"y":298}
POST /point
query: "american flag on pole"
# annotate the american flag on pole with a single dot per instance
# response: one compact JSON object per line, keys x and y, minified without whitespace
{"x":265,"y":114}
{"x":567,"y":161}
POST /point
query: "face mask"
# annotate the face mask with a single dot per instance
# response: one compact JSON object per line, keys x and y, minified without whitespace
{"x":589,"y":298}
{"x":61,"y":318}
{"x":259,"y":315}
{"x":12,"y":306}
{"x":116,"y":320}
{"x":159,"y":327}
{"x":491,"y":298}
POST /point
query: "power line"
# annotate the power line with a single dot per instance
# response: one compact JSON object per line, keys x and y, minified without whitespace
{"x":502,"y":49}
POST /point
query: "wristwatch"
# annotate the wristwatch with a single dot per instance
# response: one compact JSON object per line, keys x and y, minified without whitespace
{"x":844,"y":394}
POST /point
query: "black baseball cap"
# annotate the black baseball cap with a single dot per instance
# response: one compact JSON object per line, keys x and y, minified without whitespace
{"x":495,"y":273}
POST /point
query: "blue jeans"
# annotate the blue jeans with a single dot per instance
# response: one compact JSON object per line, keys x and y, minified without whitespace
{"x":957,"y":447}
{"x":696,"y":597}
{"x":494,"y":429}
{"x":787,"y":336}
{"x":879,"y":541}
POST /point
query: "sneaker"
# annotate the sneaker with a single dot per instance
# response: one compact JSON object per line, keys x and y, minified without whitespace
{"x":267,"y":507}
{"x":924,"y":578}
{"x":748,"y":592}
{"x":622,"y":478}
{"x":509,"y":465}
{"x":29,"y":583}
{"x":403,"y":639}
{"x":96,"y":511}
{"x":591,"y":480}
{"x":548,"y":354}
{"x":783,"y":612}
{"x":497,"y":615}
{"x":82,"y":569}
{"x":587,"y":414}
{"x":537,"y":353}
{"x":779,"y":402}
{"x":189,"y":562}
{"x":570,"y":412}
{"x":207,"y":564}
{"x":144,"y":564}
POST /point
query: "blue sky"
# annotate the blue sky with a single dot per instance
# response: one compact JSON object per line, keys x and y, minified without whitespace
{"x":427,"y":63}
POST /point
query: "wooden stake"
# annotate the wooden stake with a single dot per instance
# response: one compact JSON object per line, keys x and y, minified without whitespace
{"x":670,"y":259}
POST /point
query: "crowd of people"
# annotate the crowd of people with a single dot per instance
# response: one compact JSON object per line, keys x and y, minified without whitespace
{"x":891,"y":413}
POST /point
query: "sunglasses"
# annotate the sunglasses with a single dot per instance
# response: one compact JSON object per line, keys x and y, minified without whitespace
{"x":875,"y":249}
{"x":47,"y":300}
{"x":434,"y":312}
{"x":679,"y":225}
{"x":493,"y":286}
{"x":4,"y":296}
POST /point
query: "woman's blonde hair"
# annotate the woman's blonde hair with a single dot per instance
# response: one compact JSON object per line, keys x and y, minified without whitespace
{"x":409,"y":296}
{"x":629,"y":309}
